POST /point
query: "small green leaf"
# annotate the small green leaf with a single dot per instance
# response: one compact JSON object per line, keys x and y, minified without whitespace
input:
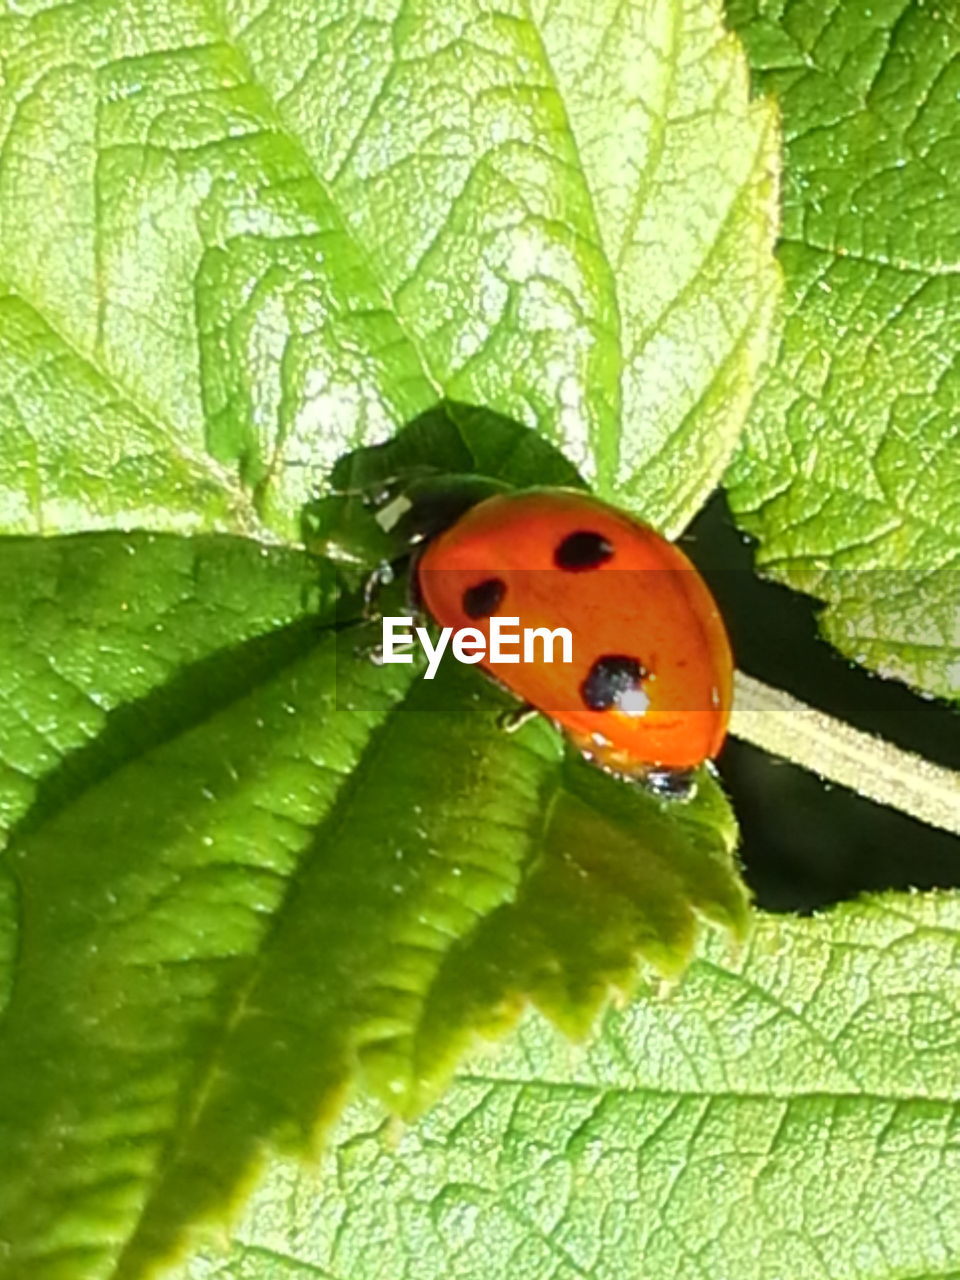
{"x":458,"y":439}
{"x":234,"y":239}
{"x":849,"y":469}
{"x":791,"y":1112}
{"x":617,"y":874}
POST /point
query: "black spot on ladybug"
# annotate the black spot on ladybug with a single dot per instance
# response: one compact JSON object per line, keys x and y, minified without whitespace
{"x":582,"y":550}
{"x":610,"y":683}
{"x":485,"y":598}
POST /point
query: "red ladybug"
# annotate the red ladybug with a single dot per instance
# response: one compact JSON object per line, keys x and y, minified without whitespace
{"x":647,"y":693}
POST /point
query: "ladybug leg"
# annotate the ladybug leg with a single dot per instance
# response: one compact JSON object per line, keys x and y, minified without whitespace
{"x":372,"y":652}
{"x":381,"y":577}
{"x":514,"y":719}
{"x":671,"y":784}
{"x":370,"y":647}
{"x":385,"y":573}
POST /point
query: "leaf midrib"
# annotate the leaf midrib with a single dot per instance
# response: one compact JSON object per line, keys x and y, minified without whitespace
{"x":641,"y":1090}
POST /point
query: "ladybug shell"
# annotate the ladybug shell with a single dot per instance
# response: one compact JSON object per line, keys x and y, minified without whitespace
{"x":650,"y":682}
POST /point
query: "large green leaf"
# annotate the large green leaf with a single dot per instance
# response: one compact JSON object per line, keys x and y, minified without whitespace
{"x":237,"y":893}
{"x":848,"y":473}
{"x":790,"y":1113}
{"x":236,"y":236}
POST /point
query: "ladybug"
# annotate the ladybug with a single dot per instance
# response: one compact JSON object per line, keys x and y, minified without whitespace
{"x":647,"y":692}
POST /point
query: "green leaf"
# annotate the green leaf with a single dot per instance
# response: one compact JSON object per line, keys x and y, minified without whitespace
{"x":239,"y":900}
{"x":791,"y":1112}
{"x":113,"y":642}
{"x":461,"y":440}
{"x":234,"y":238}
{"x":848,"y":470}
{"x":77,"y":454}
